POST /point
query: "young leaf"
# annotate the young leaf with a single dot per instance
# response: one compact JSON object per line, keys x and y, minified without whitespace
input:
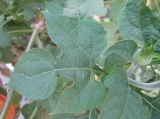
{"x":113,"y":61}
{"x":120,"y":53}
{"x":124,"y":48}
{"x":122,"y":103}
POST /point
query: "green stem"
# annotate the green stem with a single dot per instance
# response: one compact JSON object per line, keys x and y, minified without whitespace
{"x":132,"y":69}
{"x":9,"y":19}
{"x":150,"y":104}
{"x":158,"y":7}
{"x":33,"y":36}
{"x":6,"y":104}
{"x":21,"y":31}
{"x":39,"y":43}
{"x":34,"y":113}
{"x":146,"y":86}
{"x":90,"y":114}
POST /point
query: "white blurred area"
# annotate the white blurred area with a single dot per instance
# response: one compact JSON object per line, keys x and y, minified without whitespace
{"x":4,"y":78}
{"x":9,"y":65}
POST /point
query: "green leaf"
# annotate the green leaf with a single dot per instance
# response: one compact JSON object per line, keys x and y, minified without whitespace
{"x":54,"y":50}
{"x":154,"y":104}
{"x":5,"y":40}
{"x":124,"y":48}
{"x":155,"y":114}
{"x":82,"y":41}
{"x":118,"y":54}
{"x":115,"y":9}
{"x":7,"y":55}
{"x":1,"y":54}
{"x":72,"y":8}
{"x":111,"y":29}
{"x":121,"y":102}
{"x":137,"y":22}
{"x":28,"y":109}
{"x":34,"y":110}
{"x":75,"y":100}
{"x":142,"y":59}
{"x":83,"y":35}
{"x":49,"y":104}
{"x":34,"y":74}
{"x":113,"y":61}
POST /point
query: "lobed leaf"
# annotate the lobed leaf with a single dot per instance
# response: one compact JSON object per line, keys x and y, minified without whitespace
{"x":82,"y":41}
{"x":121,"y":102}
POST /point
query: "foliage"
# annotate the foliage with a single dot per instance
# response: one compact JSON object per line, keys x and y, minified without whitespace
{"x":78,"y":67}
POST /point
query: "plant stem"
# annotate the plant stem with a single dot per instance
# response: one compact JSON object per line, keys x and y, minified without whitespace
{"x":90,"y":114}
{"x":39,"y":43}
{"x":5,"y":22}
{"x":146,"y":86}
{"x":34,"y":113}
{"x":21,"y":31}
{"x":132,"y":69}
{"x":33,"y":36}
{"x":6,"y":104}
{"x":150,"y":104}
{"x":157,"y":5}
